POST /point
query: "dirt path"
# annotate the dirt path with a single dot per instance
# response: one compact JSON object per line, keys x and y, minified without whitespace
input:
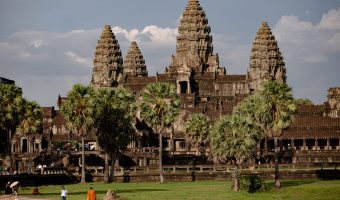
{"x":12,"y":197}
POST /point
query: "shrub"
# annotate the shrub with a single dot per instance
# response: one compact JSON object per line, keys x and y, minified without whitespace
{"x":253,"y":183}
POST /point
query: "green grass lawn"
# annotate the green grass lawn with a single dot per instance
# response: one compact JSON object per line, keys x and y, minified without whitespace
{"x":214,"y":190}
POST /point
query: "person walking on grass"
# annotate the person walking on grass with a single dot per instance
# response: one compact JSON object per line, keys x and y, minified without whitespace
{"x":91,"y":194}
{"x":63,"y":193}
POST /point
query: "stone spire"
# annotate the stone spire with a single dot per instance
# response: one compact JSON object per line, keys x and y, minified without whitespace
{"x":332,"y":106}
{"x":107,"y":62}
{"x":134,"y":63}
{"x":194,"y":42}
{"x":266,"y":61}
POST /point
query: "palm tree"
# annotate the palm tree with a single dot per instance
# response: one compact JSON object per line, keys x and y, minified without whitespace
{"x":276,"y":114}
{"x":198,"y":129}
{"x":159,"y":108}
{"x":234,"y":137}
{"x":303,"y":101}
{"x":10,"y":110}
{"x":115,"y":110}
{"x":32,"y":117}
{"x":78,"y":112}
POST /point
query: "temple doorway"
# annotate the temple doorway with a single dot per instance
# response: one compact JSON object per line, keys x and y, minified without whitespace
{"x":24,"y":146}
{"x":184,"y":87}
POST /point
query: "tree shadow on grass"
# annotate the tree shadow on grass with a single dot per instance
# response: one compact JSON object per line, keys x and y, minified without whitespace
{"x":291,"y":183}
{"x":140,"y":190}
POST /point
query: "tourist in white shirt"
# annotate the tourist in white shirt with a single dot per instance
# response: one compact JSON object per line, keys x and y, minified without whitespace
{"x":63,"y":193}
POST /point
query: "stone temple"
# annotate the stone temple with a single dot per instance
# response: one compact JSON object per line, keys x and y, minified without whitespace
{"x":203,"y":87}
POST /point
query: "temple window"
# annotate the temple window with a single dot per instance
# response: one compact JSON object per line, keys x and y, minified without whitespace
{"x":182,"y":144}
{"x":24,"y":146}
{"x":184,"y":86}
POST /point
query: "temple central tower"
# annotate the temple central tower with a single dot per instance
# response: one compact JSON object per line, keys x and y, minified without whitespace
{"x":194,"y":47}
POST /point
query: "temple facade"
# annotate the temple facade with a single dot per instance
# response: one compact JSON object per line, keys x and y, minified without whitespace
{"x":203,"y":87}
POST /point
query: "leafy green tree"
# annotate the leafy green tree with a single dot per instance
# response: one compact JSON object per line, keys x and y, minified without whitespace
{"x":78,"y":112}
{"x":234,"y":137}
{"x":303,"y":101}
{"x":115,"y":111}
{"x":276,"y":113}
{"x":159,"y":108}
{"x":197,"y":130}
{"x":32,"y":118}
{"x":10,"y":109}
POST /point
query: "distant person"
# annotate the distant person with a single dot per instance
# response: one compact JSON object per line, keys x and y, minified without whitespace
{"x":36,"y":191}
{"x":63,"y":193}
{"x":91,"y":194}
{"x":8,"y":189}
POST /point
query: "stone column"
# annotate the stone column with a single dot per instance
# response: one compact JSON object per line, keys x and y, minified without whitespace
{"x":12,"y":148}
{"x":178,"y":87}
{"x":316,"y":144}
{"x":293,"y":152}
{"x":328,"y":147}
{"x":21,"y":141}
{"x":28,"y":146}
{"x":304,"y":144}
{"x":292,"y":144}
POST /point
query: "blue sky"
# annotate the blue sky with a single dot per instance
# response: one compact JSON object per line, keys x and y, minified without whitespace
{"x":47,"y":46}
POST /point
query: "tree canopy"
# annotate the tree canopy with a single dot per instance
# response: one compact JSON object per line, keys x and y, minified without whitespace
{"x":78,"y":112}
{"x":114,"y":113}
{"x":197,"y":129}
{"x":32,"y":118}
{"x":10,"y":106}
{"x":268,"y":112}
{"x":159,"y":108}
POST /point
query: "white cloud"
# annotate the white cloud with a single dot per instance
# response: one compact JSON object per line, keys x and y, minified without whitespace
{"x":330,"y":20}
{"x":38,"y":43}
{"x":161,"y":35}
{"x":291,"y":30}
{"x":311,"y":42}
{"x":129,"y":35}
{"x":311,"y":53}
{"x":155,"y":34}
{"x":78,"y":59}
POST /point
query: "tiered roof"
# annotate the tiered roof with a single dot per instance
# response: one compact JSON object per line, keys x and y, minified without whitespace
{"x":194,"y":43}
{"x":134,"y":63}
{"x":194,"y":32}
{"x":266,"y":61}
{"x":108,"y":61}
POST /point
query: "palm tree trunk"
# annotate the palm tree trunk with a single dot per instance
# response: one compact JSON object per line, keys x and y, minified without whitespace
{"x":112,"y":168}
{"x":82,"y":159}
{"x":276,"y":156}
{"x":106,"y":173}
{"x":9,"y":150}
{"x":235,"y":179}
{"x":161,"y":177}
